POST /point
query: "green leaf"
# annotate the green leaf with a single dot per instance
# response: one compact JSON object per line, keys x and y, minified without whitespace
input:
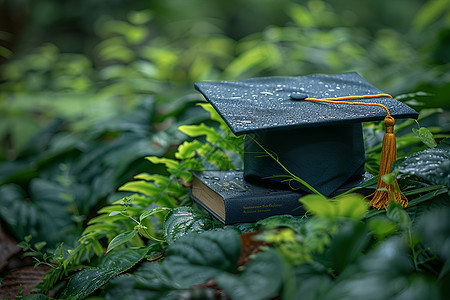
{"x":261,"y":279}
{"x":301,"y":16}
{"x":38,"y":246}
{"x":169,"y":163}
{"x":429,"y":12}
{"x":444,"y":144}
{"x":274,"y":222}
{"x":183,"y":220}
{"x":150,"y":281}
{"x":150,"y":212}
{"x":263,"y":55}
{"x":220,"y":159}
{"x":44,"y":207}
{"x":319,"y":206}
{"x":188,"y":149}
{"x":212,"y":112}
{"x":434,"y":229}
{"x":375,"y":272}
{"x":428,"y":196}
{"x":140,"y":17}
{"x":197,"y":257}
{"x":382,"y":227}
{"x":352,"y":206}
{"x":120,"y":239}
{"x":347,"y":244}
{"x":140,"y":186}
{"x":388,"y":178}
{"x":211,"y":134}
{"x":433,"y":165}
{"x":349,"y":205}
{"x":425,"y":136}
{"x":88,"y":280}
{"x":397,"y":213}
{"x":155,"y":178}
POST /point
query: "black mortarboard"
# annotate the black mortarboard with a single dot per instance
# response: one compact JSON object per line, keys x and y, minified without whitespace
{"x":322,"y":143}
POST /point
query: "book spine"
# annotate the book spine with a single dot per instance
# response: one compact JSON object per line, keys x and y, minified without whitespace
{"x":239,"y":210}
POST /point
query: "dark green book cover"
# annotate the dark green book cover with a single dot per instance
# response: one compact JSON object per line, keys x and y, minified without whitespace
{"x":231,"y":199}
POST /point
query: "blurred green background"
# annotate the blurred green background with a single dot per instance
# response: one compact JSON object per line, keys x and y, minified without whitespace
{"x":90,"y":87}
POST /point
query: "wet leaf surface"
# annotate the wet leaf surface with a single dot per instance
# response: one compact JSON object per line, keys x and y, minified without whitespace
{"x":433,"y":165}
{"x":183,"y":220}
{"x":196,"y":258}
{"x":88,"y":280}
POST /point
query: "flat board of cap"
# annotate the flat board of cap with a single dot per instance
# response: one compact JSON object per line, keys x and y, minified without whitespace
{"x":276,"y":103}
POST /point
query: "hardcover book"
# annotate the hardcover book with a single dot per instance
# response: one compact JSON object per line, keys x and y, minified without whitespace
{"x":231,"y":199}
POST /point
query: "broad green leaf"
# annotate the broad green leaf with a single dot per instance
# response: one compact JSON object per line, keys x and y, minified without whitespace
{"x":351,"y":206}
{"x":274,"y":222}
{"x":120,"y":239}
{"x":425,"y":136}
{"x":398,"y":214}
{"x":242,"y":227}
{"x":314,"y":283}
{"x":261,"y":279}
{"x":149,"y":282}
{"x":444,"y":144}
{"x":197,"y":257}
{"x":433,"y":165}
{"x":319,"y":206}
{"x":183,"y":220}
{"x":434,"y":228}
{"x":150,"y":212}
{"x":347,"y":244}
{"x":88,"y":280}
{"x":44,"y":207}
{"x":387,"y":265}
{"x":382,"y":227}
{"x":428,"y":196}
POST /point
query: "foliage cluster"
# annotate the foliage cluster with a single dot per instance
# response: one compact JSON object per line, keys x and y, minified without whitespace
{"x":340,"y":238}
{"x":79,"y":132}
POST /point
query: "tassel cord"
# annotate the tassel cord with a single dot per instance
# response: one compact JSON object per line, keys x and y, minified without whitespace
{"x":384,"y":192}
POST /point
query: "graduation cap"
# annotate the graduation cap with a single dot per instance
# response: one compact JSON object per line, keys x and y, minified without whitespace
{"x":311,"y":124}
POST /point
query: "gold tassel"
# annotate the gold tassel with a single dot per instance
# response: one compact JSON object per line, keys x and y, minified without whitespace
{"x":388,"y":154}
{"x":380,"y":198}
